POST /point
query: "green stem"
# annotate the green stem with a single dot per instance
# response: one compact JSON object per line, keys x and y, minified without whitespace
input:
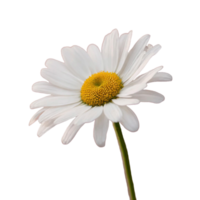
{"x":126,"y":163}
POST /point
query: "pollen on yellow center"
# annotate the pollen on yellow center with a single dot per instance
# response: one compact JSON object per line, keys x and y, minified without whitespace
{"x":100,"y":88}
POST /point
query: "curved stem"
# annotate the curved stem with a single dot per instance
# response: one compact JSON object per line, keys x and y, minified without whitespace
{"x":126,"y":163}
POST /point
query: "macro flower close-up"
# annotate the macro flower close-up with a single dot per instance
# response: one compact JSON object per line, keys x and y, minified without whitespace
{"x":97,"y":85}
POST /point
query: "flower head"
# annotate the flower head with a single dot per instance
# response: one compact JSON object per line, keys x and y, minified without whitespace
{"x":97,"y":85}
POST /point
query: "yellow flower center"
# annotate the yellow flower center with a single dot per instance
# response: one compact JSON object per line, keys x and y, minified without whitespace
{"x":100,"y":88}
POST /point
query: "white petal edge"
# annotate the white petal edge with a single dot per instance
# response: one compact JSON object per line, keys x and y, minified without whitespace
{"x":136,"y":65}
{"x":36,"y":116}
{"x":56,"y":65}
{"x":95,"y":55}
{"x":150,"y":73}
{"x":58,"y":71}
{"x":124,"y":44}
{"x":55,"y":112}
{"x":134,"y":87}
{"x":161,"y":76}
{"x":128,"y":90}
{"x":70,"y":133}
{"x":150,"y":53}
{"x":44,"y":127}
{"x":123,"y":101}
{"x":109,"y":51}
{"x":78,"y":110}
{"x":137,"y":49}
{"x":112,"y":112}
{"x":129,"y":119}
{"x":100,"y":130}
{"x":60,"y":79}
{"x":50,"y":101}
{"x":47,"y":88}
{"x":88,"y":116}
{"x":78,"y":60}
{"x":149,"y":96}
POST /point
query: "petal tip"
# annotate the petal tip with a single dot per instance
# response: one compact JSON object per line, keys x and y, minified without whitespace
{"x":29,"y":124}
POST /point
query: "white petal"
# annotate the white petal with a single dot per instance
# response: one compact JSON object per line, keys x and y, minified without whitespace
{"x":161,"y":76}
{"x":140,"y":83}
{"x":55,"y":112}
{"x":150,"y":74}
{"x":59,"y":67}
{"x":70,"y":133}
{"x":54,"y":101}
{"x":72,"y":113}
{"x":60,"y":79}
{"x":131,"y":89}
{"x":78,"y":60}
{"x":123,"y":101}
{"x":124,"y":44}
{"x":44,"y":127}
{"x":88,"y":116}
{"x":129,"y":119}
{"x":149,"y":46}
{"x":100,"y":130}
{"x":95,"y":55}
{"x":47,"y":88}
{"x":109,"y":51}
{"x":144,"y":63}
{"x":128,"y":75}
{"x":137,"y":49}
{"x":112,"y":112}
{"x":137,"y":80}
{"x":149,"y":96}
{"x":36,"y":116}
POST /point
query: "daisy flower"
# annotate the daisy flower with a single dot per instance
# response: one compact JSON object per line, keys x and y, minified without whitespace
{"x":98,"y":86}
